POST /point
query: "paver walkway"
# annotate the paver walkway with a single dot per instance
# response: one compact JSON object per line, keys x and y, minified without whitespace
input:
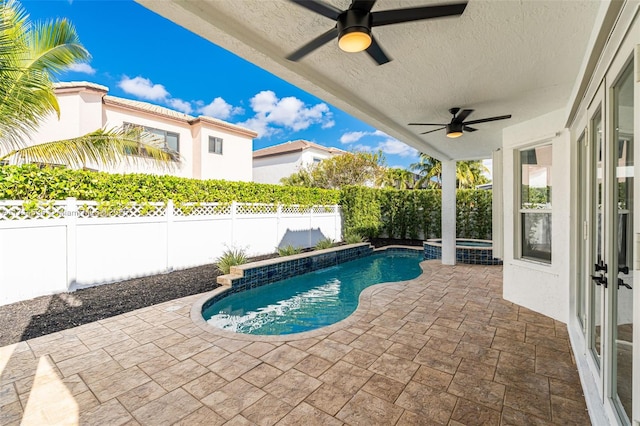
{"x":442,"y":349}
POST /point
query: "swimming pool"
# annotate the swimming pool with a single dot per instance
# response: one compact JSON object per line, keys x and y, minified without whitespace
{"x":313,"y":300}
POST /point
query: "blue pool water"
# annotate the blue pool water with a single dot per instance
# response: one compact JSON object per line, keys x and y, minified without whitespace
{"x":312,"y":300}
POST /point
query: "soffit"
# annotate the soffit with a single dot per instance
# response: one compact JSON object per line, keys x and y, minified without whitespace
{"x":500,"y":57}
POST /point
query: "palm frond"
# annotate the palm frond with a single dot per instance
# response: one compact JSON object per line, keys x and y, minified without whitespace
{"x":104,"y":147}
{"x":55,"y":45}
{"x":31,"y":54}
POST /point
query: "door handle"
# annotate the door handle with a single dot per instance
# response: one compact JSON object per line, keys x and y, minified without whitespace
{"x":601,"y":266}
{"x":599,"y":280}
{"x":623,"y":284}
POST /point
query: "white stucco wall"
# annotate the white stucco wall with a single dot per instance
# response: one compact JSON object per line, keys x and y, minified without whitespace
{"x":235,"y":162}
{"x":80,"y":113}
{"x":541,"y":287}
{"x":272,"y":169}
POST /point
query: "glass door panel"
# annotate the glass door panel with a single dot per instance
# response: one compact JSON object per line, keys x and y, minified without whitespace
{"x":622,"y":286}
{"x":582,"y":276}
{"x":599,"y":267}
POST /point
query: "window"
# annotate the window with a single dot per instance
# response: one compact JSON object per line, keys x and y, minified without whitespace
{"x":215,"y":145}
{"x":316,"y":160}
{"x":170,"y":140}
{"x":535,"y":203}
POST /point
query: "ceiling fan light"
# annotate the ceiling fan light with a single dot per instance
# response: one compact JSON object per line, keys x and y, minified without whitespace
{"x":454,"y":130}
{"x":355,"y":39}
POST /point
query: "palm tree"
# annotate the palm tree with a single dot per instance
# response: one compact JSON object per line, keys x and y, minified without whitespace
{"x":468,"y":173}
{"x":397,"y":178}
{"x":31,"y":54}
{"x":430,"y":171}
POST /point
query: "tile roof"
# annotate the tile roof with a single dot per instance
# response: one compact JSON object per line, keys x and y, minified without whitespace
{"x":294,"y":146}
{"x":80,"y":84}
{"x":155,"y":109}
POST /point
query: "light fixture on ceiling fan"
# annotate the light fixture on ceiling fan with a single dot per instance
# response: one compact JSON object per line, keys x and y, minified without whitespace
{"x":457,"y":125}
{"x":353,"y":26}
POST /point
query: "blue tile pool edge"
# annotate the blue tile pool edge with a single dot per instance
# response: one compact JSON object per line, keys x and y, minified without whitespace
{"x":464,"y":254}
{"x":223,"y":291}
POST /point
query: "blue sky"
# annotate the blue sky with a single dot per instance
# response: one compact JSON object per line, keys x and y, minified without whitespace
{"x":140,"y":55}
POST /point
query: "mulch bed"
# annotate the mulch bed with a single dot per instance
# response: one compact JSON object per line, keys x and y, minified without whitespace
{"x":48,"y":314}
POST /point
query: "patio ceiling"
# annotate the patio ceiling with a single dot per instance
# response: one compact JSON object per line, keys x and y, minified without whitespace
{"x":500,"y":57}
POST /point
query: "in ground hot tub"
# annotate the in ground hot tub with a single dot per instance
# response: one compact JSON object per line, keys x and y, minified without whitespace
{"x":470,"y":251}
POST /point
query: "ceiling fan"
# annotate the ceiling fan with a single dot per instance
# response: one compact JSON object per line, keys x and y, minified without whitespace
{"x":353,"y":26}
{"x":457,"y":124}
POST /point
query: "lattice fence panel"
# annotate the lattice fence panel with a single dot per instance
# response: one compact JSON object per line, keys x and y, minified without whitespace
{"x":43,"y":211}
{"x":256,"y":209}
{"x":323,"y":209}
{"x":94,"y":210}
{"x":296,"y":209}
{"x":203,"y":210}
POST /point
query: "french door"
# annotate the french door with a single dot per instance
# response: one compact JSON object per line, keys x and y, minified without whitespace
{"x":605,"y":298}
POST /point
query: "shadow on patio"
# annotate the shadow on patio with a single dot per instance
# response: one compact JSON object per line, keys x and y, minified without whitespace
{"x":444,"y":348}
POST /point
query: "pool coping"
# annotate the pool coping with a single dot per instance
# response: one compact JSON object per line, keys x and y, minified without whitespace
{"x":434,"y":242}
{"x":364,"y":304}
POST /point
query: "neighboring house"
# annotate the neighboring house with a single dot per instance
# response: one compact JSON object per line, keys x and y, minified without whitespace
{"x":209,"y":148}
{"x":276,"y":162}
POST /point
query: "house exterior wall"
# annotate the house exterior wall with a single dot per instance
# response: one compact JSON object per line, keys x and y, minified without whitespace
{"x":538,"y":286}
{"x":275,"y":167}
{"x":83,"y":110}
{"x":115,"y":117}
{"x":80,"y":113}
{"x":232,"y":164}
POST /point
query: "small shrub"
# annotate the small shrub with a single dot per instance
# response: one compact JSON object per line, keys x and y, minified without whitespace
{"x":324,"y":244}
{"x":231,"y":257}
{"x":288,"y":250}
{"x":352,"y":238}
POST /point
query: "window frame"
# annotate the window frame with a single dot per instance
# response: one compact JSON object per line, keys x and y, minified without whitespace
{"x":155,"y":131}
{"x":215,"y":139}
{"x":521,"y":212}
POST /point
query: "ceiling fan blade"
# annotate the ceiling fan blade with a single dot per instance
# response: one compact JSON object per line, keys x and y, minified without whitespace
{"x":427,"y":124}
{"x":431,"y":131}
{"x":395,"y":16}
{"x":365,"y":5}
{"x":484,"y":120}
{"x":319,"y":7}
{"x":463,"y":114}
{"x":376,"y":52}
{"x":314,"y":44}
{"x":468,"y":129}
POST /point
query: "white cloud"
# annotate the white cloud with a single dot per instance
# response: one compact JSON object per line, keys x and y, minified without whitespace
{"x":219,"y":108}
{"x":351,"y":137}
{"x":143,"y":88}
{"x":180,"y":105}
{"x":365,"y":148}
{"x":395,"y":147}
{"x":389,"y":146}
{"x":82,"y":67}
{"x":273,"y":114}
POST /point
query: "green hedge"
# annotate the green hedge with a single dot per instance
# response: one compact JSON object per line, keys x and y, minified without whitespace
{"x":368,"y":212}
{"x":29,"y":182}
{"x":413,"y":214}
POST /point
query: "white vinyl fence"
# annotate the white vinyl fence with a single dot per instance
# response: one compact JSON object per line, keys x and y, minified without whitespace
{"x":66,"y":245}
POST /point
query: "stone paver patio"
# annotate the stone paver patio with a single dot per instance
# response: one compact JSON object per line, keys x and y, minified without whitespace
{"x":444,"y":348}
